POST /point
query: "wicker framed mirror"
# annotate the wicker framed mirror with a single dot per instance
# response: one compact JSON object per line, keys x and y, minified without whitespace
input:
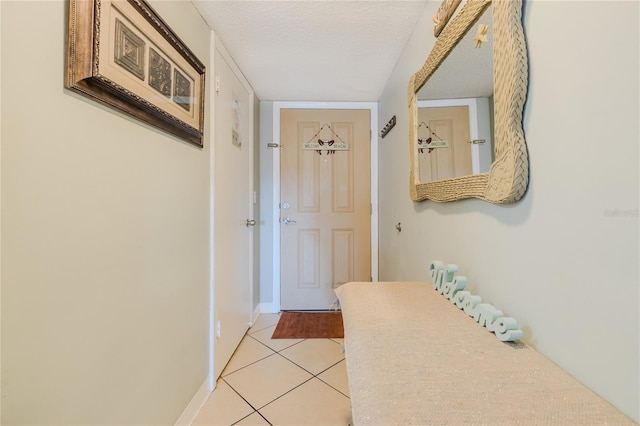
{"x":507,"y":178}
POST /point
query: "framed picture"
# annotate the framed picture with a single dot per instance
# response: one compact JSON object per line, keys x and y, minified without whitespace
{"x":122,"y":54}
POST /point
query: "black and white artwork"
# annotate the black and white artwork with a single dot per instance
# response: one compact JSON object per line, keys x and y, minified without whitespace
{"x":182,"y":90}
{"x":129,"y":50}
{"x":159,"y":73}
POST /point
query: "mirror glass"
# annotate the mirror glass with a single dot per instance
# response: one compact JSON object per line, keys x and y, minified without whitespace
{"x":455,"y":110}
{"x":465,"y":108}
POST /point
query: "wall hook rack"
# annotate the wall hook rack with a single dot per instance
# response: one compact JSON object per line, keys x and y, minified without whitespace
{"x":388,"y":127}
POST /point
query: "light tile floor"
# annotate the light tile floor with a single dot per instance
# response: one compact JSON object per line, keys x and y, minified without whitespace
{"x":280,"y":382}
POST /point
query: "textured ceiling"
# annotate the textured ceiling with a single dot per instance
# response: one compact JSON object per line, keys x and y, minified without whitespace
{"x":468,"y":71}
{"x":307,"y":50}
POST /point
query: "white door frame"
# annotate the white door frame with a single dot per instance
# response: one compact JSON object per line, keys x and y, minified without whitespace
{"x":277,"y":106}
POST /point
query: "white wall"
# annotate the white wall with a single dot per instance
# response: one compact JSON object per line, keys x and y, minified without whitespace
{"x":558,"y":261}
{"x":105,"y":242}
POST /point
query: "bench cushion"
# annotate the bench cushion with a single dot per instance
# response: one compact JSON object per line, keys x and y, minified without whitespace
{"x":414,"y":358}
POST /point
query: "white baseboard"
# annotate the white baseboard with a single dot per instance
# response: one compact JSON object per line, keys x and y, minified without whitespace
{"x":193,"y":408}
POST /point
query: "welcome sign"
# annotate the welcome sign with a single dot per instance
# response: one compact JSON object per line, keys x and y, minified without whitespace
{"x":485,"y":314}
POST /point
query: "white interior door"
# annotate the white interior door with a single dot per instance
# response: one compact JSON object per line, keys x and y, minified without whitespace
{"x":233,"y":211}
{"x":325,"y":204}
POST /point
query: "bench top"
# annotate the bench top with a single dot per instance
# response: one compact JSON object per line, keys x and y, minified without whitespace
{"x":415,"y":358}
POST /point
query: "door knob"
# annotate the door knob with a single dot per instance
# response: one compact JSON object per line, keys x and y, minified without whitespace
{"x":251,"y":222}
{"x":288,"y":221}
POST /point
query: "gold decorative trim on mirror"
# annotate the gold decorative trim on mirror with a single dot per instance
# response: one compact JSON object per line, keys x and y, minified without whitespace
{"x":507,"y":179}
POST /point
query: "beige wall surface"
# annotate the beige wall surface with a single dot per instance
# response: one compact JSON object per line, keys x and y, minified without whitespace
{"x":105,"y":241}
{"x":564,"y":260}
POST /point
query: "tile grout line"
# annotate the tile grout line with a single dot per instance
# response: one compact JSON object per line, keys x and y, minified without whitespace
{"x":260,"y":329}
{"x":313,"y":376}
{"x":255,"y":410}
{"x":286,"y":393}
{"x":328,"y":384}
{"x":293,"y":344}
{"x":275,"y":352}
{"x":296,"y":387}
{"x":275,"y":399}
{"x":268,"y":347}
{"x":251,"y":363}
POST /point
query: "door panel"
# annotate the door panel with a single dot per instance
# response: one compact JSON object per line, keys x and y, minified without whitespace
{"x":325,"y":205}
{"x":448,"y":124}
{"x":308,"y":172}
{"x":343,"y":255}
{"x":309,"y":258}
{"x":232,"y":207}
{"x":342,"y":184}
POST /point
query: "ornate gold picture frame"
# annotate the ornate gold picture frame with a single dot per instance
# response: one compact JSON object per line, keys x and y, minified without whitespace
{"x":122,"y":54}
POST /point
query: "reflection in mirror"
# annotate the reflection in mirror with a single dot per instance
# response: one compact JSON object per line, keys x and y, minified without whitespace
{"x":455,"y":138}
{"x":455,"y":111}
{"x":465,"y":108}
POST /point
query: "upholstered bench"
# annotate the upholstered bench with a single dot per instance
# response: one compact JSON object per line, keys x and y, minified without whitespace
{"x":414,"y":358}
